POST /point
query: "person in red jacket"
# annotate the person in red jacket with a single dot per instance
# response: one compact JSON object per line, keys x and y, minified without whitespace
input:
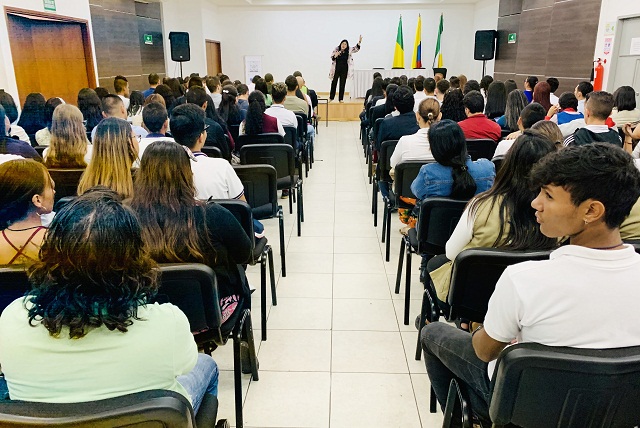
{"x":477,"y":126}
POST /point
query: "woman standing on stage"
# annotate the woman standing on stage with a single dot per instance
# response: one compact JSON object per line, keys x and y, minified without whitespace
{"x":342,"y":67}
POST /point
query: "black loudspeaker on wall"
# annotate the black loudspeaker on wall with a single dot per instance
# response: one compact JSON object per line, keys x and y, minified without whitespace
{"x":180,"y":50}
{"x":485,"y":45}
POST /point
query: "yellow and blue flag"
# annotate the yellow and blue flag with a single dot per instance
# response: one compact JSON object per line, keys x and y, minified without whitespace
{"x":398,"y":55}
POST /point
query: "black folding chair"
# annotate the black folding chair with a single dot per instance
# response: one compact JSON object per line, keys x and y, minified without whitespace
{"x":155,"y":407}
{"x":234,"y":130}
{"x":282,"y":158}
{"x":14,"y":283}
{"x":371,"y":147}
{"x":260,"y":253}
{"x":261,"y":192}
{"x":546,"y":386}
{"x":193,"y":288}
{"x":405,"y":173}
{"x":484,"y":148}
{"x":384,"y":166}
{"x":266,"y":138}
{"x":306,"y":143}
{"x":212,"y":152}
{"x":67,"y":180}
{"x":437,"y":219}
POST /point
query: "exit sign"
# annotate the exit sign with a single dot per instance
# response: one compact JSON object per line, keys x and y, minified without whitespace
{"x":512,"y":37}
{"x":49,"y":5}
{"x":148,"y":39}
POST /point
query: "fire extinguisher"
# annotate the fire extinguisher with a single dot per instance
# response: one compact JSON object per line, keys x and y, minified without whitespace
{"x":598,"y":74}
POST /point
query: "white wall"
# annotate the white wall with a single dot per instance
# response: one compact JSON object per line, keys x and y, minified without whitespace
{"x":179,"y":16}
{"x":302,"y":38}
{"x":610,"y":11}
{"x":71,"y":8}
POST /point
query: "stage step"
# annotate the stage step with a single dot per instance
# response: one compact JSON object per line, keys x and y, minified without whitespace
{"x":347,"y":111}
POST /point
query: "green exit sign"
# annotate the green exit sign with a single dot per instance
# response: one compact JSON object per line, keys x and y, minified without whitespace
{"x":148,"y":39}
{"x":512,"y":37}
{"x":49,"y":5}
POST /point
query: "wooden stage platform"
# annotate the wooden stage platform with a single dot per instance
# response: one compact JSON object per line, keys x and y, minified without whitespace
{"x":349,"y":110}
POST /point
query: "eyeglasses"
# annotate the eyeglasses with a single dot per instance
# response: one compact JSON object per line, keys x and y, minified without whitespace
{"x":205,"y":128}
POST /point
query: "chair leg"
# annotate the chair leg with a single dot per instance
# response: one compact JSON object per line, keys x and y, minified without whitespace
{"x":373,"y":197}
{"x":299,"y":213}
{"x":384,"y":220}
{"x":301,"y":202}
{"x":237,"y":380}
{"x":429,"y":312}
{"x":433,"y":401}
{"x":407,"y":286}
{"x":457,"y":400}
{"x":388,"y":237}
{"x":290,"y":201}
{"x":272,"y":276}
{"x":282,"y":249}
{"x":400,"y":261}
{"x":374,"y":203}
{"x":247,"y":335}
{"x":263,"y":297}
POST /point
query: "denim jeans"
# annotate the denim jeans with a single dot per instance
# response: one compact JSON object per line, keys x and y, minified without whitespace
{"x":448,"y":354}
{"x":201,"y":380}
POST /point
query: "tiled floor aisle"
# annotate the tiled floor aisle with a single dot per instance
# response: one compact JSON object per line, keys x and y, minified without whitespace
{"x":337,"y":353}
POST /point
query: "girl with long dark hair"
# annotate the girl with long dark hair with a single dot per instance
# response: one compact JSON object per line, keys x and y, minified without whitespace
{"x":228,"y":109}
{"x":496,"y":100}
{"x":452,"y":107}
{"x":257,"y":122}
{"x":32,"y":115}
{"x":516,"y":102}
{"x":43,"y":136}
{"x":91,"y":107}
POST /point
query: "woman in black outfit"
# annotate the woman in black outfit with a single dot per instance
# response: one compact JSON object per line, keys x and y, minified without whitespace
{"x":342,"y":67}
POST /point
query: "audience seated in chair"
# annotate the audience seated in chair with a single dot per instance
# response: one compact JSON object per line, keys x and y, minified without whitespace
{"x":477,"y":125}
{"x":156,"y":119}
{"x":516,"y":102}
{"x":529,"y":85}
{"x":277,"y":110}
{"x":26,"y":196}
{"x":257,"y":121}
{"x":108,"y":340}
{"x":442,"y":87}
{"x":90,"y":105}
{"x":597,"y":110}
{"x":295,"y":104}
{"x":416,"y":146}
{"x":228,"y":109}
{"x":32,"y":115}
{"x":405,"y":123}
{"x":496,"y":103}
{"x":624,"y":106}
{"x":9,"y":147}
{"x":452,"y":107}
{"x":581,"y":91}
{"x":531,"y":114}
{"x":568,"y":111}
{"x":500,"y":217}
{"x":43,"y":136}
{"x":11,"y":110}
{"x":176,"y":227}
{"x":112,"y":106}
{"x":69,"y":146}
{"x":215,"y":133}
{"x":115,"y":149}
{"x":530,"y":300}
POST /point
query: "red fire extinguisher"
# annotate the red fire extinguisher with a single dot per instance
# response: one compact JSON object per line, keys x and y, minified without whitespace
{"x":598,"y":74}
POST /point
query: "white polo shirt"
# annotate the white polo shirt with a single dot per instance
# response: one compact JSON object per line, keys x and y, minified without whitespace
{"x":215,"y":178}
{"x":285,"y":117}
{"x":414,"y":147}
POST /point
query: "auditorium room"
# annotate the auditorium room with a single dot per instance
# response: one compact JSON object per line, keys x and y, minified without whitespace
{"x":262,"y":213}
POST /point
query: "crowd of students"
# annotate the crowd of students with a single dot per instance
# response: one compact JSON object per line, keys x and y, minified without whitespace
{"x":563,"y":179}
{"x":566,"y":182}
{"x":142,"y":200}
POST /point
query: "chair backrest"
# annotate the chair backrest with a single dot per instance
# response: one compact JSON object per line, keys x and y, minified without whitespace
{"x":66,"y":180}
{"x":302,"y":125}
{"x":376,"y":127}
{"x":266,"y":138}
{"x":314,"y":97}
{"x":148,"y":409}
{"x":260,"y":189}
{"x":475,"y":274}
{"x":404,"y":174}
{"x":437,"y":219}
{"x":234,"y":130}
{"x":544,"y":386}
{"x":241,"y":211}
{"x":384,"y":159}
{"x":40,"y":150}
{"x":290,"y":135}
{"x":279,"y":156}
{"x":193,"y":288}
{"x":14,"y":283}
{"x":497,"y":163}
{"x":212,"y":152}
{"x":481,"y":149}
{"x":504,"y":133}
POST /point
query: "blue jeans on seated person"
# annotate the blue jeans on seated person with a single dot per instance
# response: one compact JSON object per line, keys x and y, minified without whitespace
{"x":201,"y":380}
{"x":448,"y":354}
{"x":383,"y":186}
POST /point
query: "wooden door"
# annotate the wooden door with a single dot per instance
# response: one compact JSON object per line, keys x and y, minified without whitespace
{"x":214,"y":61}
{"x":50,"y":57}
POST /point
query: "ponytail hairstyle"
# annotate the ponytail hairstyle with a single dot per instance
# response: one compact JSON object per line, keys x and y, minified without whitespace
{"x":254,"y":122}
{"x":429,"y":110}
{"x":449,"y":148}
{"x":512,"y":194}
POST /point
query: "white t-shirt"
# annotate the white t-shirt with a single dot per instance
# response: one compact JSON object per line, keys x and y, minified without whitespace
{"x":126,"y":101}
{"x":146,"y":141}
{"x":7,"y":157}
{"x":285,"y":117}
{"x":215,"y":178}
{"x":502,"y":148}
{"x":548,"y":301}
{"x":19,"y":132}
{"x":103,"y":364}
{"x":380,"y":102}
{"x":581,"y":106}
{"x":417,"y":98}
{"x":412,"y":147}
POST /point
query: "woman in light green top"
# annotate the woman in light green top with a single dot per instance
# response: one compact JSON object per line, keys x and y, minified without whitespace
{"x":87,"y":330}
{"x":261,"y":86}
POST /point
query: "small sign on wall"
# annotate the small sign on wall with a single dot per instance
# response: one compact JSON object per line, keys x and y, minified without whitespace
{"x":49,"y":5}
{"x":610,"y":28}
{"x":512,"y":38}
{"x":635,"y":46}
{"x":608,"y":41}
{"x":148,"y":39}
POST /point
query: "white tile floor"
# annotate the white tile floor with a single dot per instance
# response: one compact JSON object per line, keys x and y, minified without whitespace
{"x":337,"y":353}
